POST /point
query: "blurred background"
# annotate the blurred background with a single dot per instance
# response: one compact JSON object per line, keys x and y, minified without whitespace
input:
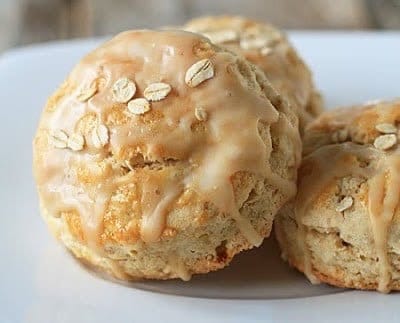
{"x":30,"y":21}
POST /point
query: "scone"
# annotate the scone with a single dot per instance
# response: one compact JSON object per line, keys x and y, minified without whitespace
{"x":344,"y":227}
{"x":163,"y":155}
{"x":268,"y":48}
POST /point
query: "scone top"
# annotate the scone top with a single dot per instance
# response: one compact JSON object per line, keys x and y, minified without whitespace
{"x":366,"y":124}
{"x":349,"y":183}
{"x":152,"y":116}
{"x":267,"y":47}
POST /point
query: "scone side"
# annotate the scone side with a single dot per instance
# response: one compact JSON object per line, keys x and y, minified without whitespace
{"x":120,"y":268}
{"x":336,"y":274}
{"x":340,"y":238}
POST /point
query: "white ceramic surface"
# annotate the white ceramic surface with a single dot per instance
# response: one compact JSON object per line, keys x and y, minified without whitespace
{"x":40,"y":282}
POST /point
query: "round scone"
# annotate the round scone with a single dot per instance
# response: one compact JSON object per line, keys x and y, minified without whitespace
{"x":163,"y":156}
{"x":268,"y":48}
{"x":344,"y":226}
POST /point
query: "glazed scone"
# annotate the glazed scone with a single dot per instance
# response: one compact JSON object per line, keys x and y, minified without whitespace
{"x":163,"y":156}
{"x":344,"y":226}
{"x":268,"y":48}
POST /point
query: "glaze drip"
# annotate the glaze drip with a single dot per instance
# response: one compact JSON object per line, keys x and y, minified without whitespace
{"x":206,"y":154}
{"x":327,"y":163}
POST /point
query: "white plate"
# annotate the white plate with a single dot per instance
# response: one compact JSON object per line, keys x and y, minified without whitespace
{"x":40,"y":282}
